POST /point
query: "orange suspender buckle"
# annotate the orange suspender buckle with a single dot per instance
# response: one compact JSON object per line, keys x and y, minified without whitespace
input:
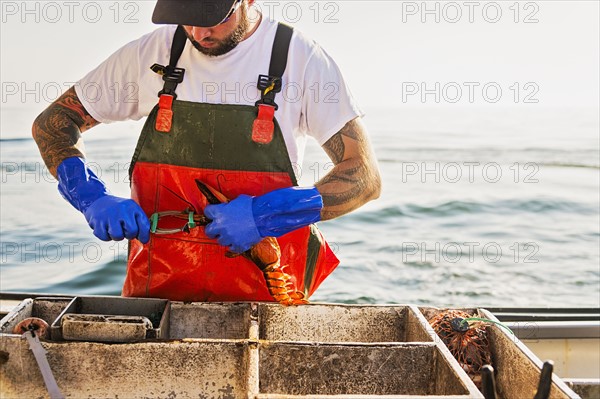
{"x":263,"y":126}
{"x":164,"y":117}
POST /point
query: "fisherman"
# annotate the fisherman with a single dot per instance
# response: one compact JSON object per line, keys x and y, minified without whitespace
{"x":230,"y":98}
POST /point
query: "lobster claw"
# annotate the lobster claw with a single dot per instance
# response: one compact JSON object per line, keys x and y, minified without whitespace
{"x":213,"y":196}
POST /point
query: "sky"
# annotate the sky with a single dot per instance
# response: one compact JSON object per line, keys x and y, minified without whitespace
{"x":392,"y":53}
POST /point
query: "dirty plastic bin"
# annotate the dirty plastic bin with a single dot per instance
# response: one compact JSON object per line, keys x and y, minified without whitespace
{"x":90,"y":328}
{"x":210,"y":320}
{"x":45,"y":308}
{"x":411,"y":369}
{"x":340,"y":323}
{"x":134,"y":370}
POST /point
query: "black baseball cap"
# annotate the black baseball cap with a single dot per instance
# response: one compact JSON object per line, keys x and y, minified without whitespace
{"x":204,"y":13}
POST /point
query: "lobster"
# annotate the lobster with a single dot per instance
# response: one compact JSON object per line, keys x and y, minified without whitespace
{"x":468,"y":343}
{"x":266,"y":254}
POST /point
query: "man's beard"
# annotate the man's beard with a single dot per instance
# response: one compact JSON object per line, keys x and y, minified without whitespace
{"x":229,"y":43}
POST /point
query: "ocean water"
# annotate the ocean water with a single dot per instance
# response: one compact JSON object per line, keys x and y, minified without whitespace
{"x":480,"y":207}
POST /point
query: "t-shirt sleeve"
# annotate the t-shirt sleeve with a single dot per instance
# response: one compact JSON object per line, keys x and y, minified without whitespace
{"x":110,"y":92}
{"x":328,"y":103}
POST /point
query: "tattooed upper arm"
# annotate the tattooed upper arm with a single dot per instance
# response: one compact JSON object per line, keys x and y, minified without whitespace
{"x":73,"y":108}
{"x":57,"y":130}
{"x":355,"y":178}
{"x":338,"y":147}
{"x":335,"y":148}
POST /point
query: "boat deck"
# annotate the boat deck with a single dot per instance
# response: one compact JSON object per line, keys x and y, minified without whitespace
{"x":261,"y":350}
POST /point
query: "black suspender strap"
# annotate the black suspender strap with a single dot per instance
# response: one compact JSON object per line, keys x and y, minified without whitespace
{"x":179,"y":40}
{"x":279,"y":54}
{"x":172,"y":76}
{"x":270,"y":84}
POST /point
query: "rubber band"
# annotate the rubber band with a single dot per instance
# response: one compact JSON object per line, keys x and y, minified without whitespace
{"x":154,"y":220}
{"x":191,"y":222}
{"x":488,"y":321}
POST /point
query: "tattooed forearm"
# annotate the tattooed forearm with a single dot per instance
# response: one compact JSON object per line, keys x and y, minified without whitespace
{"x":355,"y":178}
{"x":57,"y":130}
{"x":345,"y":182}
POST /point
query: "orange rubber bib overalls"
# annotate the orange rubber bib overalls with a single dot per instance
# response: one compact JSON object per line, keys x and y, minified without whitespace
{"x":235,"y":149}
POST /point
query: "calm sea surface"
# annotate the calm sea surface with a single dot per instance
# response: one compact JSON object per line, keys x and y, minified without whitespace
{"x":480,"y":207}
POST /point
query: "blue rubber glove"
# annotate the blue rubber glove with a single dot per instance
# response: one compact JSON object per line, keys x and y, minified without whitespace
{"x":111,"y":218}
{"x":246,"y":220}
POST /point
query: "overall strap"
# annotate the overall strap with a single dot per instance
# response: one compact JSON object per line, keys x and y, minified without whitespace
{"x":172,"y":76}
{"x":279,"y":54}
{"x":179,"y":41}
{"x":271,"y":84}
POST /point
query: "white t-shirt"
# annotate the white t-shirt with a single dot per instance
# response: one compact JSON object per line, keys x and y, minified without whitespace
{"x":314,"y":101}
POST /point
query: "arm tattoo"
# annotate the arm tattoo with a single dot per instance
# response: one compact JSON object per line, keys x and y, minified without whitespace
{"x":355,"y":178}
{"x":76,"y":111}
{"x":334,"y":147}
{"x":57,"y":130}
{"x":347,"y":182}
